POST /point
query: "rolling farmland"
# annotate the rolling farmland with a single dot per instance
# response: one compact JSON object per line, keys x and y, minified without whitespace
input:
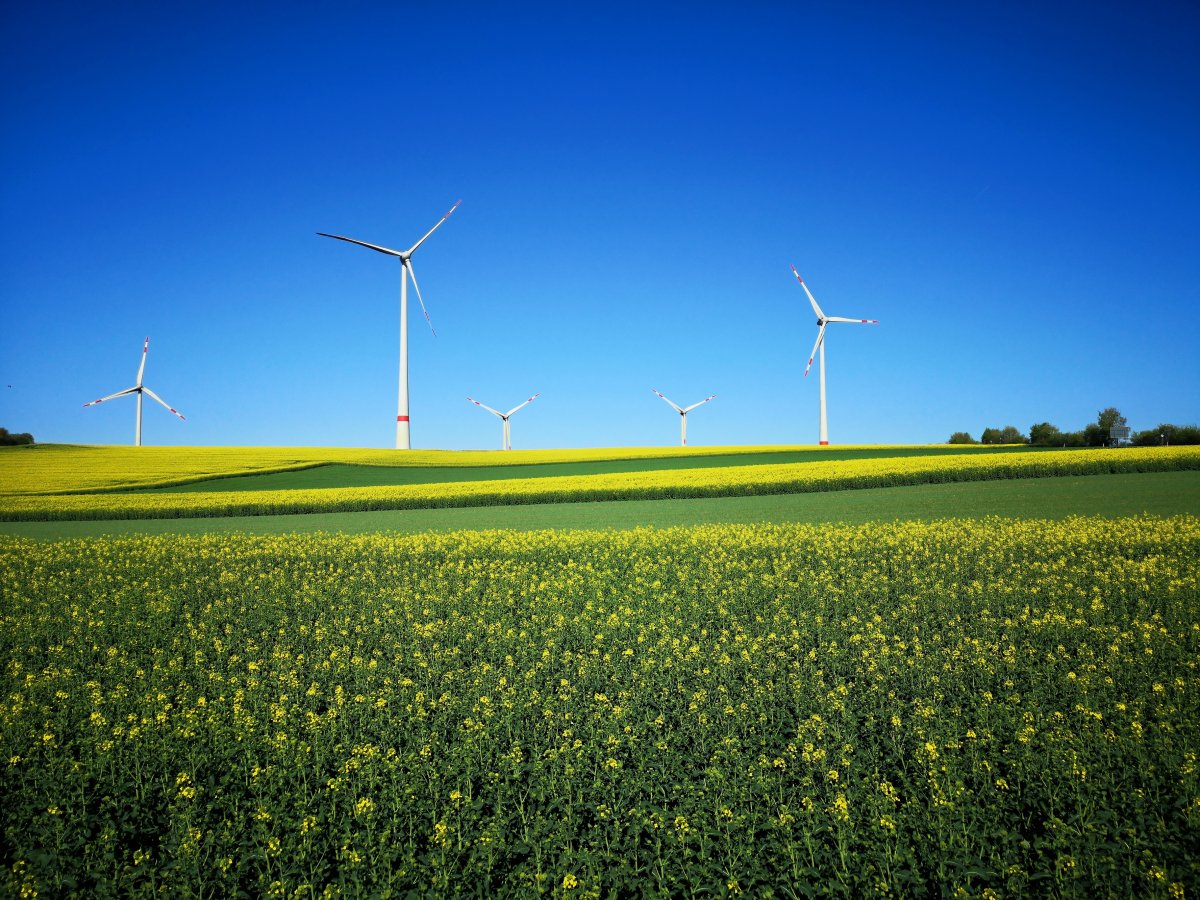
{"x":667,"y":482}
{"x":997,"y":706}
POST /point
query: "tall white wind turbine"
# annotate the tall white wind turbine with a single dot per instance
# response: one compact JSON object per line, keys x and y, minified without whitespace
{"x":403,"y":434}
{"x":822,"y":321}
{"x":139,"y":389}
{"x":683,"y":411}
{"x":506,"y":434}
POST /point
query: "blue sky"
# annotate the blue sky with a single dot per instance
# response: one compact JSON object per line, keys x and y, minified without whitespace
{"x":1011,"y":189}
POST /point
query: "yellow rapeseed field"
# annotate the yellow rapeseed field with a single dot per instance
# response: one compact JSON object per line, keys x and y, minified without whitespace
{"x":964,"y":708}
{"x":666,"y":483}
{"x":70,"y":468}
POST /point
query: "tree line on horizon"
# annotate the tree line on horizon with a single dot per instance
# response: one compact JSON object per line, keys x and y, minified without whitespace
{"x":11,"y":440}
{"x":1096,"y":434}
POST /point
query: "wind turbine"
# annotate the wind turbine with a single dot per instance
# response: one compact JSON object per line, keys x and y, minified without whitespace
{"x":506,"y":437}
{"x":403,"y":436}
{"x":683,"y":411}
{"x":139,"y":389}
{"x":822,"y":321}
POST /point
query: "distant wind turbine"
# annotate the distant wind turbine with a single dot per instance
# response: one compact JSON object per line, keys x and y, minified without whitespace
{"x":822,"y":321}
{"x":683,"y":411}
{"x":139,"y":389}
{"x":506,"y":434}
{"x":403,"y":434}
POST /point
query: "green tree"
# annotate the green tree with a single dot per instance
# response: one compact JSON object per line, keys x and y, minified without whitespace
{"x":990,"y":436}
{"x":1010,"y":435}
{"x":11,"y":440}
{"x":961,"y":437}
{"x":1095,"y":435}
{"x":1045,"y":435}
{"x":1167,"y":434}
{"x":1106,"y":420}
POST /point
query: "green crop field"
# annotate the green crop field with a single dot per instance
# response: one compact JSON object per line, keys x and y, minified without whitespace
{"x":885,"y":672}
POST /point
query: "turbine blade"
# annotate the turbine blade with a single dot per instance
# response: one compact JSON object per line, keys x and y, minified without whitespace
{"x":413,"y":248}
{"x":526,"y":403}
{"x":671,"y":403}
{"x":853,"y":321}
{"x":142,"y":367}
{"x":338,"y":237}
{"x":407,"y":264}
{"x":816,"y":346}
{"x":165,"y":405}
{"x":132,"y":390}
{"x":811,"y":298}
{"x":488,"y":408}
{"x":688,"y":409}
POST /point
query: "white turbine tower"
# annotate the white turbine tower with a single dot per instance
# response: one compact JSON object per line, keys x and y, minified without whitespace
{"x":822,"y":321}
{"x":683,"y":411}
{"x":403,"y":434}
{"x":506,"y":434}
{"x":139,"y":389}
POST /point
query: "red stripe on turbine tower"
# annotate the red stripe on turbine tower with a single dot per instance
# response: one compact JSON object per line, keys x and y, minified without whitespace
{"x":401,"y":418}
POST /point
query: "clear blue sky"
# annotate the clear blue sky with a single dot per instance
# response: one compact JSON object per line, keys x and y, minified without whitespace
{"x":1012,"y":189}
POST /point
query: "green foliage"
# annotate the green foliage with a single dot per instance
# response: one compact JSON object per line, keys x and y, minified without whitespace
{"x":952,"y":708}
{"x":1109,"y":418}
{"x":961,"y":437}
{"x":1009,"y":434}
{"x":1044,"y":434}
{"x":1167,"y":435}
{"x":8,"y":439}
{"x":1096,"y":434}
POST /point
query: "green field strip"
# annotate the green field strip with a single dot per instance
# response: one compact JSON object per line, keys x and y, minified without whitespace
{"x":1155,"y":493}
{"x":338,"y":475}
